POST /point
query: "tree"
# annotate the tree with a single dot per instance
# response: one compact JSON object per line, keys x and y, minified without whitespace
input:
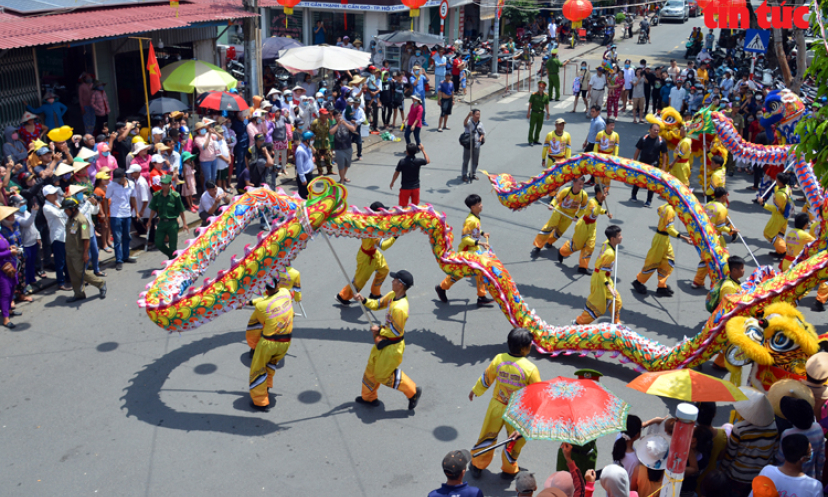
{"x":520,"y":12}
{"x":813,"y":131}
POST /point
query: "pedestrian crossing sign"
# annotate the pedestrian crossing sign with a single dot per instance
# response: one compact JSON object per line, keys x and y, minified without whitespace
{"x":756,"y":40}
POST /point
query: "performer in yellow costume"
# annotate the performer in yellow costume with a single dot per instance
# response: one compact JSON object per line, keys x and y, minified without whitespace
{"x":796,"y":240}
{"x":369,"y":260}
{"x":602,"y":291}
{"x":557,"y":145}
{"x":274,"y":314}
{"x":660,"y":257}
{"x":780,"y":209}
{"x":682,"y":155}
{"x":569,"y":204}
{"x":730,"y":285}
{"x":607,"y":141}
{"x":717,"y":211}
{"x":389,"y":344}
{"x":289,"y":279}
{"x":717,"y":178}
{"x":508,"y":373}
{"x":717,"y":149}
{"x":584,"y":237}
{"x":470,"y":241}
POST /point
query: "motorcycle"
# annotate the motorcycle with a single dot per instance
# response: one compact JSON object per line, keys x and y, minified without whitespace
{"x":693,"y":48}
{"x":609,"y":35}
{"x":628,"y":26}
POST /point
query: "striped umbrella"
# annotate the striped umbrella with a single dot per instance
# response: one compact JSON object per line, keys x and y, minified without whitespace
{"x":221,"y":100}
{"x":188,"y":76}
{"x":687,"y":385}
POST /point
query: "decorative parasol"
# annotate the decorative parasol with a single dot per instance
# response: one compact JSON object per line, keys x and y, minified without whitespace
{"x":324,"y":57}
{"x":273,"y":45}
{"x":187,"y":76}
{"x":687,"y":385}
{"x":567,"y":410}
{"x":221,"y":100}
{"x":163,"y":105}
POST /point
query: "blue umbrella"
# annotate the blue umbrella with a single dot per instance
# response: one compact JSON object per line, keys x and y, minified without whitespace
{"x":272,"y":46}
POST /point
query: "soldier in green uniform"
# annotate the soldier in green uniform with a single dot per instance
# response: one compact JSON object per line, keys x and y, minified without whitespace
{"x":321,"y":144}
{"x":78,"y":233}
{"x":538,"y":102}
{"x":553,"y":69}
{"x":168,"y":206}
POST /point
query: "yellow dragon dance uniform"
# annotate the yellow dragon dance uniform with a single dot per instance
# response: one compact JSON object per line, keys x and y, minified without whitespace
{"x":716,"y":148}
{"x":660,"y":257}
{"x":369,"y":259}
{"x":566,"y":202}
{"x":290,"y":279}
{"x":607,"y":144}
{"x":780,"y":209}
{"x":681,"y":169}
{"x":717,"y":178}
{"x":508,"y":374}
{"x":584,"y":237}
{"x":274,"y":315}
{"x":600,"y":289}
{"x":468,"y":242}
{"x":718,"y":217}
{"x":556,"y":148}
{"x":795,"y":242}
{"x":386,"y":356}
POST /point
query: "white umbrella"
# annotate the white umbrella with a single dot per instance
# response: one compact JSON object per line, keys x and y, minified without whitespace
{"x":323,"y":57}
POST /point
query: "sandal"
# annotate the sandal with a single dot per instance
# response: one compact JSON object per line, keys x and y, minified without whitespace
{"x":101,"y":274}
{"x":107,"y":250}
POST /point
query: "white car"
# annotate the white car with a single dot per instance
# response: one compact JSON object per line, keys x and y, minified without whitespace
{"x":675,"y":9}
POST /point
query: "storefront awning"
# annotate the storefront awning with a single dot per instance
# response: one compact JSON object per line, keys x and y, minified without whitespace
{"x":19,"y":31}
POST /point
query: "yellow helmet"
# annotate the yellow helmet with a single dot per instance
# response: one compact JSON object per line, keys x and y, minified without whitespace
{"x":138,"y":139}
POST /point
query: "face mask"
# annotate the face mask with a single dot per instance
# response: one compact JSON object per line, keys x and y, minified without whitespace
{"x":133,"y":131}
{"x":759,"y":98}
{"x":583,"y":67}
{"x":66,"y":177}
{"x":105,"y":154}
{"x":627,"y":66}
{"x":202,"y":132}
{"x":258,"y":121}
{"x":23,"y":208}
{"x":417,"y":52}
{"x":79,"y":197}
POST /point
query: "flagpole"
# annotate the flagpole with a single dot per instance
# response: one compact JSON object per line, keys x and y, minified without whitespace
{"x":144,"y":76}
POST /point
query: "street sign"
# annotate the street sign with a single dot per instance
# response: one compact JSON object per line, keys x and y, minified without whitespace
{"x":444,"y":6}
{"x":757,"y":40}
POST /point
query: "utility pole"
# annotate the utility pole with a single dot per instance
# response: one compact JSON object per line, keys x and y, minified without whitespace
{"x":496,"y":44}
{"x":252,"y":50}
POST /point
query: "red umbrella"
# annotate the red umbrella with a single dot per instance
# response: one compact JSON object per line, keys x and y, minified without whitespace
{"x":221,"y":100}
{"x":567,"y":410}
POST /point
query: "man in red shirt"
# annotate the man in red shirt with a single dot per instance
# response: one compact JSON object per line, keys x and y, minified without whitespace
{"x":457,"y":65}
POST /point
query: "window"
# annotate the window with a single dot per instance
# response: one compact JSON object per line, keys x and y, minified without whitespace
{"x":335,"y":25}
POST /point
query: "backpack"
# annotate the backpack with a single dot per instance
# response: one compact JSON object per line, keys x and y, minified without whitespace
{"x":714,"y":297}
{"x":465,"y":138}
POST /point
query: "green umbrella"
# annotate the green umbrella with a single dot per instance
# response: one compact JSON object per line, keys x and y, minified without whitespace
{"x":188,"y":76}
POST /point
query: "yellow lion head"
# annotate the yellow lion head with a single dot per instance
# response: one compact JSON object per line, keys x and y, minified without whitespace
{"x":780,"y":337}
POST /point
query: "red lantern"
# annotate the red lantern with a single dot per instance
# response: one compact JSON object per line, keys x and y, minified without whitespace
{"x":703,"y":4}
{"x":288,"y":5}
{"x":577,"y":10}
{"x":414,"y":5}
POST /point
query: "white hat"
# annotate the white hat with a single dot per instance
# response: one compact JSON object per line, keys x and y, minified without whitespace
{"x":85,"y":153}
{"x":298,"y":88}
{"x":157,"y":158}
{"x":266,"y":105}
{"x":135,"y":168}
{"x":273,"y":91}
{"x":757,"y":409}
{"x":50,"y":190}
{"x":64,"y":168}
{"x":138,"y":146}
{"x":319,"y":94}
{"x":652,"y":451}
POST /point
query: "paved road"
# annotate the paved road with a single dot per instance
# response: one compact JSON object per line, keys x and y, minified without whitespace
{"x":95,"y":399}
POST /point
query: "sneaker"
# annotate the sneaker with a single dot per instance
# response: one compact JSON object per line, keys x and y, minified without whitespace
{"x":819,"y":306}
{"x":342,"y":301}
{"x":260,"y":408}
{"x":663,"y":292}
{"x":484,"y":301}
{"x":694,"y":286}
{"x":102,"y":291}
{"x":476,"y":472}
{"x":574,"y":322}
{"x":119,"y":266}
{"x":76,"y":298}
{"x":639,"y":287}
{"x":583,"y":270}
{"x":507,"y":476}
{"x":441,"y":294}
{"x":633,"y":199}
{"x":669,"y":290}
{"x":412,"y":402}
{"x":560,"y":257}
{"x":465,"y":179}
{"x":646,"y":204}
{"x":131,"y":260}
{"x":535,"y":251}
{"x":373,"y":403}
{"x":531,"y":144}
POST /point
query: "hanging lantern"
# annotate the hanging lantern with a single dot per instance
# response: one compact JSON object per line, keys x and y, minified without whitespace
{"x":576,"y":11}
{"x":703,"y":4}
{"x":345,"y":15}
{"x":288,"y":6}
{"x":414,"y":6}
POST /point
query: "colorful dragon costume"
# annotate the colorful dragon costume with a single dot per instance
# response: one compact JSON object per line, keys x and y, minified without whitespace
{"x":174,"y":303}
{"x":701,"y":134}
{"x":783,"y":109}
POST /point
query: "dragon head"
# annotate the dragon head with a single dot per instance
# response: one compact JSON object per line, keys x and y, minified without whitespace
{"x":670,"y":121}
{"x":781,"y":107}
{"x":780,"y":337}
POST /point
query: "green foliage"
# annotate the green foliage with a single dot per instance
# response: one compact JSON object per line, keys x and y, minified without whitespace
{"x":520,"y":12}
{"x":813,"y":131}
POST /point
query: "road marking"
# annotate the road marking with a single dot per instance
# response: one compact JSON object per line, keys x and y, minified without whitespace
{"x":511,"y":98}
{"x":563,"y":104}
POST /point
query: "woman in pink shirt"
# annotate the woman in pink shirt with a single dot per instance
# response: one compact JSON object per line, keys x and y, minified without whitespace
{"x":415,"y":120}
{"x":256,"y":126}
{"x":140,"y":156}
{"x":207,"y":153}
{"x":105,"y":161}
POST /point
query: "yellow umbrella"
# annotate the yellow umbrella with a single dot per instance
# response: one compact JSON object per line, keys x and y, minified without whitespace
{"x":687,"y":385}
{"x":195,"y":75}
